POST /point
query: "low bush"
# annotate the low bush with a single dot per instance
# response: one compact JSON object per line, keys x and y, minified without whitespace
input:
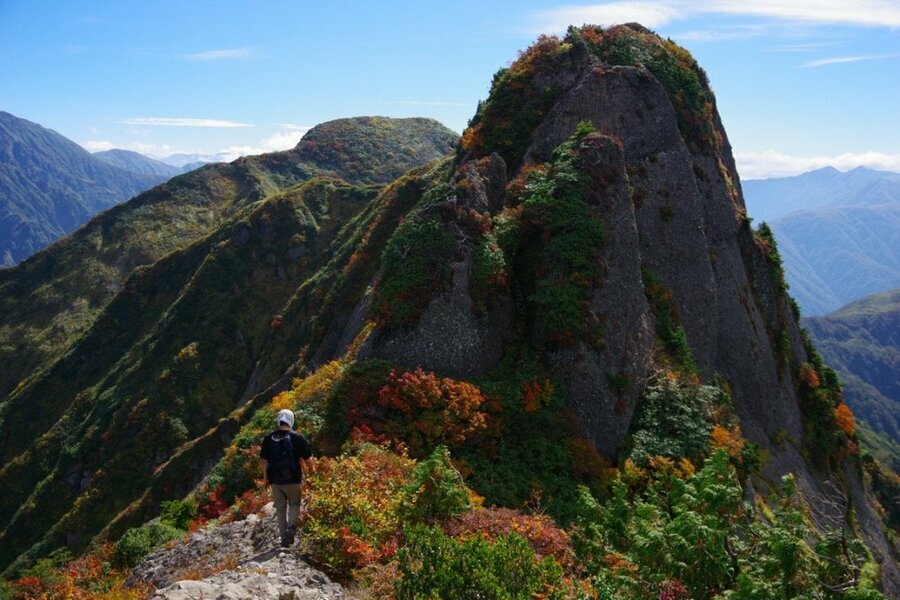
{"x":353,"y":503}
{"x":436,"y":490}
{"x":138,"y":542}
{"x":434,"y":565}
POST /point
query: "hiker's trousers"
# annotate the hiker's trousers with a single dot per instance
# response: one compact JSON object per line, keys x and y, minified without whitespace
{"x":287,"y":504}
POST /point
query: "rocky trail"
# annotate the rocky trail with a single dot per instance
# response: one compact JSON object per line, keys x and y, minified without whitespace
{"x":233,"y":561}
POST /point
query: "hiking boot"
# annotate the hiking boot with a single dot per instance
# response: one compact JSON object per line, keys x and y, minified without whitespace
{"x":287,"y":539}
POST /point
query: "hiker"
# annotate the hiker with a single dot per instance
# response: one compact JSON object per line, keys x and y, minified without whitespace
{"x":282,"y":452}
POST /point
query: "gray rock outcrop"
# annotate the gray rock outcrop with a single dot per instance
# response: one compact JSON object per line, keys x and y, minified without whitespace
{"x":282,"y":577}
{"x":236,"y":560}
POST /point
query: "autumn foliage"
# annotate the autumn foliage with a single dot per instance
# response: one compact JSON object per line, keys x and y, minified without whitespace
{"x":808,"y":376}
{"x":844,"y":420}
{"x":540,"y":531}
{"x":352,"y":505}
{"x":420,"y":409}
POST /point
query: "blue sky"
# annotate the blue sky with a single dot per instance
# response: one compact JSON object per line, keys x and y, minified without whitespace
{"x":800,"y":84}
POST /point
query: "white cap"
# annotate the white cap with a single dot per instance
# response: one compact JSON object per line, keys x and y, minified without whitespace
{"x":285,"y":416}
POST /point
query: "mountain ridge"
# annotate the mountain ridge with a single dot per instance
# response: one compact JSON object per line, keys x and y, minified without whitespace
{"x":137,"y":163}
{"x":49,"y":186}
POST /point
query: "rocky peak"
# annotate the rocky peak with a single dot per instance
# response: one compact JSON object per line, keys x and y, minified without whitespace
{"x":677,"y":280}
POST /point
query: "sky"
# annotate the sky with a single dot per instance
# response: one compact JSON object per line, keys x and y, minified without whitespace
{"x":799,"y":84}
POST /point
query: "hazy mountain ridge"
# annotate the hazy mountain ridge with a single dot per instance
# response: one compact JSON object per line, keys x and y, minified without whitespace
{"x":771,"y":199}
{"x":137,"y":163}
{"x":838,"y":233}
{"x":50,"y":185}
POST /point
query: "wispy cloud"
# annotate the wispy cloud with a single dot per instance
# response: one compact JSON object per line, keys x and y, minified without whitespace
{"x":182,"y":122}
{"x":654,"y":13}
{"x":845,"y":59}
{"x":771,"y":163}
{"x":97,"y":145}
{"x":874,"y":13}
{"x":428,"y":103}
{"x":717,"y":35}
{"x":799,"y":48}
{"x":294,"y":126}
{"x":650,"y":14}
{"x":223,"y":54}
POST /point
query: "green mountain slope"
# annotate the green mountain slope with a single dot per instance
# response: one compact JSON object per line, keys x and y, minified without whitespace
{"x":51,"y":299}
{"x":862,"y":342}
{"x":50,"y":185}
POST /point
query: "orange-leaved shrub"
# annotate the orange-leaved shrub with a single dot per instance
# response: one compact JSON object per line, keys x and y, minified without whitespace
{"x":844,"y":420}
{"x":92,"y":576}
{"x":420,"y":409}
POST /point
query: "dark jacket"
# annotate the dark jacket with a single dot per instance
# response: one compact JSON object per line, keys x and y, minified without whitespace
{"x":269,"y":453}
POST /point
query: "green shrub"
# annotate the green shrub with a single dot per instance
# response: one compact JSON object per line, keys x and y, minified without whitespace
{"x":696,"y":533}
{"x":668,"y":328}
{"x":436,"y":491}
{"x":569,"y":263}
{"x":416,"y":263}
{"x":674,"y":419}
{"x":178,"y":513}
{"x":433,"y":565}
{"x":138,"y":542}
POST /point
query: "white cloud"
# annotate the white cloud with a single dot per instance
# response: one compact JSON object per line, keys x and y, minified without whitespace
{"x":234,"y":152}
{"x":875,"y":13}
{"x":282,"y":140}
{"x":97,"y":145}
{"x":223,"y":54}
{"x":771,"y":163}
{"x":804,"y":47}
{"x":181,"y":122}
{"x":649,"y":14}
{"x":151,"y":149}
{"x":845,"y":59}
{"x":654,"y":13}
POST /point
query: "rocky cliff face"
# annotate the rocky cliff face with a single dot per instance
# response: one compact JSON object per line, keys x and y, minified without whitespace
{"x":677,"y":252}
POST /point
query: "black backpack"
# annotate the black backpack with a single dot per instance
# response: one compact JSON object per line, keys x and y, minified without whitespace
{"x":283,"y":468}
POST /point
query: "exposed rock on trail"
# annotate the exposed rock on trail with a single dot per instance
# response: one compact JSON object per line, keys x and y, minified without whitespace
{"x":241,"y":560}
{"x":283,"y":576}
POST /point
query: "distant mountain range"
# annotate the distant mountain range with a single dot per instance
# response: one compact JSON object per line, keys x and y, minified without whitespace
{"x":838,"y":233}
{"x":861,"y":341}
{"x":49,"y":185}
{"x":137,"y":163}
{"x":771,"y":199}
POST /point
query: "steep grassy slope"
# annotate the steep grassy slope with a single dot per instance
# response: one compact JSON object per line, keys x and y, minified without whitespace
{"x":51,"y":299}
{"x":50,"y":185}
{"x":187,"y":341}
{"x":862,"y":342}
